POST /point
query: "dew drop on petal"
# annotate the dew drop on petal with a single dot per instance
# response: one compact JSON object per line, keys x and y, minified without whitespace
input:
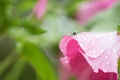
{"x":105,"y":70}
{"x":98,"y":36}
{"x":107,"y":63}
{"x":85,"y":38}
{"x":106,"y":57}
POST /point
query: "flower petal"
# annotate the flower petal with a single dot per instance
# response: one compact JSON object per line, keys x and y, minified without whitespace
{"x":40,"y":8}
{"x":91,"y":8}
{"x":76,"y":61}
{"x":103,"y":76}
{"x":83,"y":66}
{"x":100,"y":51}
{"x":94,"y":44}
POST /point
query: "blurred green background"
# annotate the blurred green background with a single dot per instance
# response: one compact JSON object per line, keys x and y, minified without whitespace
{"x":29,"y":47}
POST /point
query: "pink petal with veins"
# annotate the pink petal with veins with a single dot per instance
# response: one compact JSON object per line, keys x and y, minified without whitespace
{"x":40,"y":8}
{"x":92,"y":56}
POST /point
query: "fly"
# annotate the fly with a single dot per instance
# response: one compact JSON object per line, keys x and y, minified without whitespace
{"x":74,"y":33}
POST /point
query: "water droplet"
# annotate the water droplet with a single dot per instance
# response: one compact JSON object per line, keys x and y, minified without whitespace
{"x":101,"y":51}
{"x":107,"y":63}
{"x":108,"y":52}
{"x":88,"y":36}
{"x":116,"y":65}
{"x":94,"y":51}
{"x":114,"y":50}
{"x":110,"y":46}
{"x":106,"y":57}
{"x":84,"y":38}
{"x":81,"y":44}
{"x":66,"y":61}
{"x":115,"y":56}
{"x":105,"y":70}
{"x":98,"y":36}
{"x":62,"y":50}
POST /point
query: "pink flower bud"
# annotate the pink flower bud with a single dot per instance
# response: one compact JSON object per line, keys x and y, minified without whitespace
{"x":40,"y":8}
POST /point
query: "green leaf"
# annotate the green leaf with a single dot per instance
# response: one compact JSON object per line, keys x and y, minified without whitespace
{"x":72,"y":7}
{"x":16,"y":70}
{"x":25,"y":5}
{"x":32,"y":28}
{"x":39,"y":61}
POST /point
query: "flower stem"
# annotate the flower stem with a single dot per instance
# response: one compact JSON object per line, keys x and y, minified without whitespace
{"x":118,"y":29}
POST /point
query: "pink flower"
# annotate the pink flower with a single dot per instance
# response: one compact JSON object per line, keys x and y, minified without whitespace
{"x":91,"y":8}
{"x":40,"y":8}
{"x":64,"y":73}
{"x":92,"y":56}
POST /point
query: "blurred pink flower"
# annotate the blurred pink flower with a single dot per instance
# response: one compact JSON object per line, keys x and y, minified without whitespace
{"x":90,"y":8}
{"x":40,"y":8}
{"x":92,"y":56}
